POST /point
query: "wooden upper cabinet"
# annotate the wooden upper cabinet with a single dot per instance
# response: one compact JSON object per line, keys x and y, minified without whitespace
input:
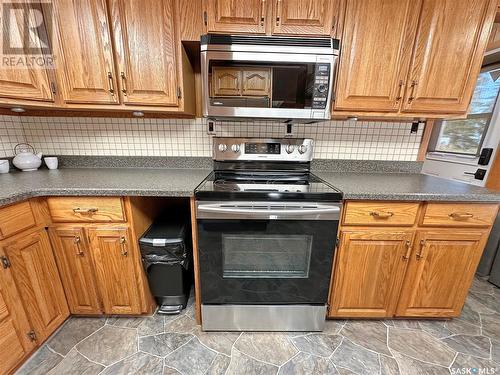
{"x":114,"y":257}
{"x":369,"y":271}
{"x":226,"y":81}
{"x":84,"y":52}
{"x":37,"y":279}
{"x":376,"y":49}
{"x":236,"y":16}
{"x":440,"y":272}
{"x":146,"y":43}
{"x":303,"y":17}
{"x":31,"y":83}
{"x":449,"y":46}
{"x":14,"y":325}
{"x":256,"y":82}
{"x":74,"y":261}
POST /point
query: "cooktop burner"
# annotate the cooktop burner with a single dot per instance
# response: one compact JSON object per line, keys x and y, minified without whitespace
{"x":267,"y":176}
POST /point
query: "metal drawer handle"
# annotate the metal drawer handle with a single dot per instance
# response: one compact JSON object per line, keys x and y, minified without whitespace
{"x":123,"y":242}
{"x":78,"y":248}
{"x":89,"y":211}
{"x":381,"y":214}
{"x":461,"y":215}
{"x":124,"y":83}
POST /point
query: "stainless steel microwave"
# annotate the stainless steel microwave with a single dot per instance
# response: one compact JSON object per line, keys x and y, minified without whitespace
{"x":267,"y":77}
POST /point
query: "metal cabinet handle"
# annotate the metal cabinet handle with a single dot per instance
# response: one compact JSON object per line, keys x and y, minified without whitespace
{"x":123,"y":245}
{"x":263,"y":10}
{"x":5,"y":261}
{"x":408,"y":250}
{"x":124,"y":83}
{"x":420,"y":254}
{"x":278,"y":12}
{"x":461,"y":215}
{"x":381,"y":215}
{"x":400,"y":95}
{"x":77,"y":241}
{"x":111,"y":84}
{"x":412,"y":92}
{"x":88,"y":211}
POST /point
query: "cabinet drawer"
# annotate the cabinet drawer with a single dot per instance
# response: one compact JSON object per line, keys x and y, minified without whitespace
{"x":15,"y":219}
{"x":86,"y":209}
{"x":380,"y":213}
{"x":459,"y":214}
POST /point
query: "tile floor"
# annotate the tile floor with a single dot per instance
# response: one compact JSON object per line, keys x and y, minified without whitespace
{"x":176,"y":345}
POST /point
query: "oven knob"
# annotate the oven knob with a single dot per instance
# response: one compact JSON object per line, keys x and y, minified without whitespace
{"x":289,"y":148}
{"x":302,"y":149}
{"x":222,"y":147}
{"x":322,"y":88}
{"x":235,"y":148}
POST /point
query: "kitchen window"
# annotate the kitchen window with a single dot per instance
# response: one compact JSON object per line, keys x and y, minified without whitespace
{"x":465,"y":136}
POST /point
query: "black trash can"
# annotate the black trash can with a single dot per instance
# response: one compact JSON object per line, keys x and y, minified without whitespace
{"x":167,"y":258}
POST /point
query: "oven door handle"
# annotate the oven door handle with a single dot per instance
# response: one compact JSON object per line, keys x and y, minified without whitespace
{"x":226,"y":211}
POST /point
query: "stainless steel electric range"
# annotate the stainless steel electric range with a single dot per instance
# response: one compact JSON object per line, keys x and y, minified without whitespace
{"x":267,"y":229}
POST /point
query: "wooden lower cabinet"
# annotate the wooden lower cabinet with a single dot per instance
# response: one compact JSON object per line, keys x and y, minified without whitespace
{"x":370,"y":267}
{"x":440,"y":272}
{"x":74,"y":260}
{"x":37,"y":280}
{"x":115,"y":265}
{"x":15,"y":343}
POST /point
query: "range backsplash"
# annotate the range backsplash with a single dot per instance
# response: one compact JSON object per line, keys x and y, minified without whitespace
{"x":360,"y":140}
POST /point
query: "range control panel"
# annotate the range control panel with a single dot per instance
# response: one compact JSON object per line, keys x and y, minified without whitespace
{"x":251,"y":149}
{"x":321,"y":86}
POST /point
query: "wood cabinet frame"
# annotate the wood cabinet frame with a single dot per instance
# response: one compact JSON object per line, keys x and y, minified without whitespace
{"x":473,"y":238}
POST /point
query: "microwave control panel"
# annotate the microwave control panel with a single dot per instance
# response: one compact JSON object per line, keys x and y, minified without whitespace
{"x":321,"y":86}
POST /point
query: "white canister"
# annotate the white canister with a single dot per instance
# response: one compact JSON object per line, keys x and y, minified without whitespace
{"x":4,"y":166}
{"x":51,"y":162}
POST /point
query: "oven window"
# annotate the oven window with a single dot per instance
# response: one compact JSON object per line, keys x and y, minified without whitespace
{"x":266,"y":256}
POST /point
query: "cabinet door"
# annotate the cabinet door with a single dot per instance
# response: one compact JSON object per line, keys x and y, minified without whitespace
{"x":145,"y":47}
{"x":256,"y":82}
{"x":440,"y":272}
{"x":448,"y":52}
{"x":226,"y":81}
{"x":37,"y":279}
{"x":303,"y":17}
{"x":74,"y":261}
{"x":369,"y":271}
{"x":236,"y":16}
{"x":114,"y":261}
{"x":21,"y":82}
{"x":376,"y":50}
{"x":84,"y":55}
{"x":14,"y":325}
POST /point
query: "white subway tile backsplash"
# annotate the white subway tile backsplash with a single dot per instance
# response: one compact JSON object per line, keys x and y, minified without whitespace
{"x":361,"y":140}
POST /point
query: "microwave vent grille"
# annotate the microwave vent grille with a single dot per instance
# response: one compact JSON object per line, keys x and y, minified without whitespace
{"x":269,"y":41}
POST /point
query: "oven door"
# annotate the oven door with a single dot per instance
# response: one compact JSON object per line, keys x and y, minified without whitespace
{"x":266,"y":253}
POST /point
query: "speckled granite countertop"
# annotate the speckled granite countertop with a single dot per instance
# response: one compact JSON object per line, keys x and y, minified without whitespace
{"x":405,"y":186}
{"x":100,"y":181}
{"x":182,"y":182}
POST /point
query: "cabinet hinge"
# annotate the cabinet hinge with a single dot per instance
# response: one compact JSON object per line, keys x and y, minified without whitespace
{"x":53,"y":88}
{"x":205,"y":18}
{"x":337,"y":242}
{"x":5,"y":261}
{"x":179,"y":92}
{"x":31,"y":335}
